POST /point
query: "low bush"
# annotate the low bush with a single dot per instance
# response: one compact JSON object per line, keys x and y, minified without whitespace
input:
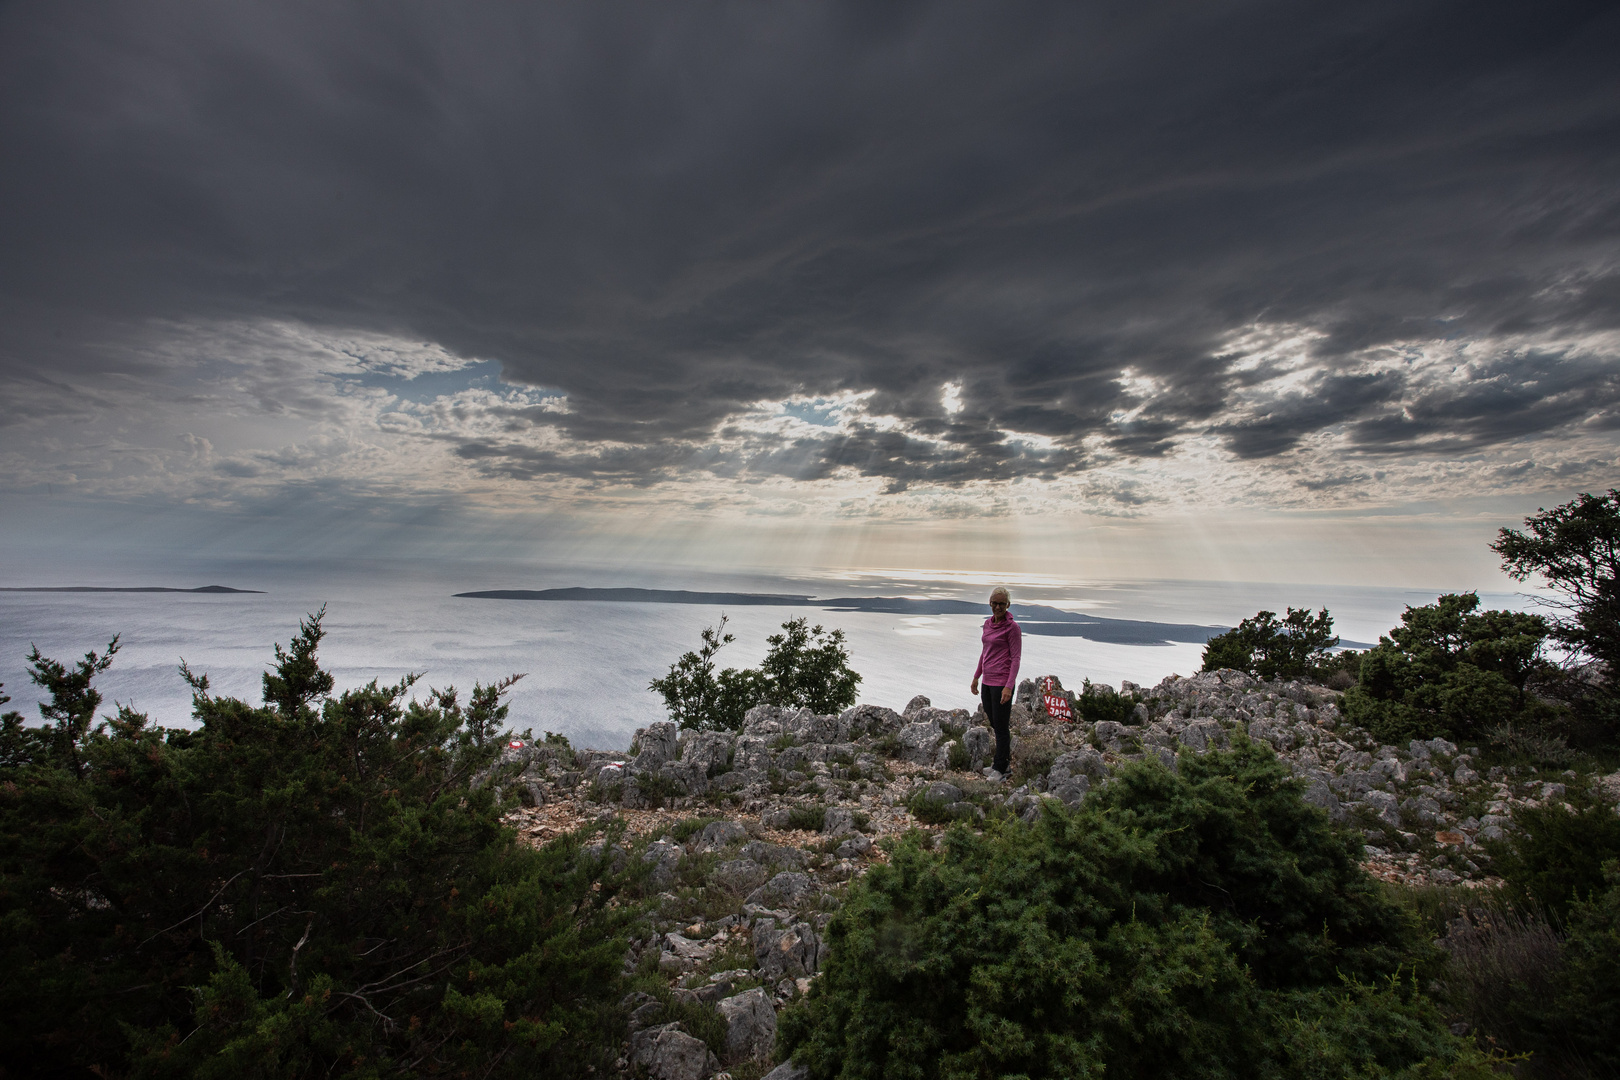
{"x":933,"y":812}
{"x":1096,"y":703}
{"x":686,"y":828}
{"x":810,"y":817}
{"x":321,"y":885}
{"x":1205,"y":924}
{"x":1032,"y":756}
{"x":1555,"y":856}
{"x":1452,"y":670}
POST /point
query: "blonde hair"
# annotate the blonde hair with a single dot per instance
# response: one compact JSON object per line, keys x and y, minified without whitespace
{"x":1001,"y":592}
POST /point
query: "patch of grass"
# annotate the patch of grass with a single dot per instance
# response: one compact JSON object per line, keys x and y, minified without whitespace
{"x":699,"y":1020}
{"x":932,"y":811}
{"x":738,"y":953}
{"x":887,"y":746}
{"x":783,"y":742}
{"x":1032,"y":757}
{"x":685,"y":829}
{"x":656,"y":790}
{"x":807,"y":817}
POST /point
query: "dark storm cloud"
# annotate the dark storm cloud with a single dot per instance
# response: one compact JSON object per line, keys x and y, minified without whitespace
{"x":670,"y":211}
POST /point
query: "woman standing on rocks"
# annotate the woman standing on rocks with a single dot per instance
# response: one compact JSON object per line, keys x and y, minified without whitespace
{"x":998,"y":665}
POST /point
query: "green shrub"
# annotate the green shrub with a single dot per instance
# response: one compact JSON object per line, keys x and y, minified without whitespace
{"x":1293,"y":648}
{"x":1587,"y":1007}
{"x":958,"y":757}
{"x":808,"y":667}
{"x":805,"y":667}
{"x":696,"y":696}
{"x":1554,"y":857}
{"x":686,"y":828}
{"x":1451,"y":670}
{"x":1575,"y":548}
{"x":807,"y":817}
{"x":1206,"y":924}
{"x":887,"y":745}
{"x":320,"y":885}
{"x":932,"y":811}
{"x":1100,"y":702}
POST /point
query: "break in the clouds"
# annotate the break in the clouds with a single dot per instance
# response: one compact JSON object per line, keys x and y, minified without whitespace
{"x":1124,"y":254}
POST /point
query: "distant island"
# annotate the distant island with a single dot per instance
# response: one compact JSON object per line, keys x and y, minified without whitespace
{"x":1033,"y":618}
{"x":124,"y":588}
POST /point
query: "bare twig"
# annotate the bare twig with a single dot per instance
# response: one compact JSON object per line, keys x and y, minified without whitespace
{"x":292,"y":964}
{"x":199,"y":911}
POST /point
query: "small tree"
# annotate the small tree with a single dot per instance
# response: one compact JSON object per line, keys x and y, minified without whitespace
{"x":1575,"y":548}
{"x":73,"y":704}
{"x":806,"y":667}
{"x":1449,"y":669}
{"x":809,"y":668}
{"x":698,"y":697}
{"x":1268,"y":649}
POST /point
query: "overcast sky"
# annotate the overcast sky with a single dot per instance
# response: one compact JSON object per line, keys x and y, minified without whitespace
{"x":1127,"y":289}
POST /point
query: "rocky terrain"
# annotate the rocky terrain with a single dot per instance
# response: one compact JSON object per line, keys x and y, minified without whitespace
{"x":746,"y":840}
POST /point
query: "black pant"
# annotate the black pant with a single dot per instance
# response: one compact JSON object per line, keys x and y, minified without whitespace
{"x":1000,"y":717}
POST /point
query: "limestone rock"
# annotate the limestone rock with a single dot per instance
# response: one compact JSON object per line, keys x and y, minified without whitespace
{"x":667,"y":1052}
{"x":1110,"y":736}
{"x":788,"y":889}
{"x":777,"y":855}
{"x":854,"y":847}
{"x":658,"y":744}
{"x":739,"y":876}
{"x":1084,"y":762}
{"x":788,"y":1071}
{"x":871,"y":721}
{"x":788,"y":952}
{"x":1318,"y":793}
{"x":918,"y":742}
{"x":666,"y":856}
{"x":837,"y":821}
{"x":750,"y":1024}
{"x":718,"y":835}
{"x":1072,"y":790}
{"x":710,"y":751}
{"x":980,"y":743}
{"x":1384,"y":804}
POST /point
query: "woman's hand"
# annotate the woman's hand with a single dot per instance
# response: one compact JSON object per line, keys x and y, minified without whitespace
{"x":975,"y":685}
{"x":1006,"y":694}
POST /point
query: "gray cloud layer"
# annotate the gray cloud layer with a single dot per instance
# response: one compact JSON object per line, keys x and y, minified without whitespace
{"x":669,"y":212}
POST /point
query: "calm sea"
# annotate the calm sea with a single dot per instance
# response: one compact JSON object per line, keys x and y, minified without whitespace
{"x":587,"y":665}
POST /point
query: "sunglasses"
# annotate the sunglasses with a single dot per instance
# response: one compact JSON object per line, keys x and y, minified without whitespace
{"x":998,"y":603}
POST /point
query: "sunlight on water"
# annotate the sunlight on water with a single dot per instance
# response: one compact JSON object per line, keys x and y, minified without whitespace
{"x":587,"y":665}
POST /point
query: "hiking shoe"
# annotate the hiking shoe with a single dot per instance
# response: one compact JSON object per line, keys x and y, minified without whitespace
{"x":994,"y":775}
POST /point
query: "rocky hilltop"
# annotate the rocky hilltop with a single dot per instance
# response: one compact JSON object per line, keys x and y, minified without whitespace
{"x":747,"y":839}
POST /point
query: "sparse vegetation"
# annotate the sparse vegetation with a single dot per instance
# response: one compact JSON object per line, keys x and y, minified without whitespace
{"x":806,"y":667}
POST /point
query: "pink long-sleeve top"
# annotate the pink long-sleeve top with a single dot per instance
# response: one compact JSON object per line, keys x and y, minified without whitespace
{"x":1003,"y":646}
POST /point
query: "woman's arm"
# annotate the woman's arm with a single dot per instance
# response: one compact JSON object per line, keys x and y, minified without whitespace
{"x":1015,"y":651}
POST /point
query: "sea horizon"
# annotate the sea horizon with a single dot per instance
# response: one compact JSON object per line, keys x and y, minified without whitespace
{"x":587,"y":664}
